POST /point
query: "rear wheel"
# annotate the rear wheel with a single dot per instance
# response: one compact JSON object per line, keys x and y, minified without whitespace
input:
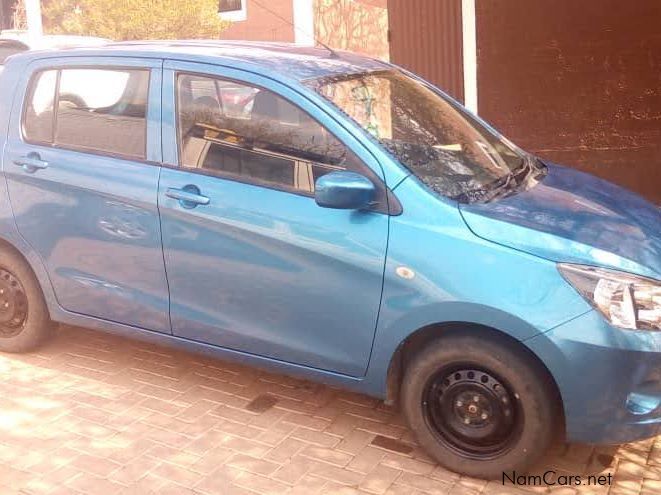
{"x":478,"y":405}
{"x":24,"y":320}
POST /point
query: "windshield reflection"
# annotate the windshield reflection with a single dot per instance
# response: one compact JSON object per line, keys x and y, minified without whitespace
{"x":447,"y":148}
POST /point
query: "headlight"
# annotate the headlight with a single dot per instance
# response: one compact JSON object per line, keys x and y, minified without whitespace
{"x":627,"y":301}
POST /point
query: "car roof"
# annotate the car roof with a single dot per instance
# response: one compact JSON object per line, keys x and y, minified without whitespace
{"x":286,"y":60}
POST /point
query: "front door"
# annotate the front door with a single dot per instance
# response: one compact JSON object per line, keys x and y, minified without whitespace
{"x":82,"y":165}
{"x":253,"y":263}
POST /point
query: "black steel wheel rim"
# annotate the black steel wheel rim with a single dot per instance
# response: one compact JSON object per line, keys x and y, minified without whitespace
{"x":13,"y":304}
{"x":472,"y":411}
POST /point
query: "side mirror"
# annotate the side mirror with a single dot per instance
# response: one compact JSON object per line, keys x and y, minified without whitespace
{"x":344,"y":190}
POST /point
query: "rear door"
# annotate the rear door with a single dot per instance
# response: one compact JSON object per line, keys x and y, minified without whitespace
{"x":253,"y":263}
{"x":82,"y":166}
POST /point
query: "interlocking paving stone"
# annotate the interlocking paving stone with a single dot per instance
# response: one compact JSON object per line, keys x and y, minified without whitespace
{"x":261,"y":403}
{"x":391,"y":444}
{"x":92,"y":413}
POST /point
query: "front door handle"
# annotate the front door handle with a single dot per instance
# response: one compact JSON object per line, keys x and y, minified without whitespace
{"x":31,"y":163}
{"x":189,"y":196}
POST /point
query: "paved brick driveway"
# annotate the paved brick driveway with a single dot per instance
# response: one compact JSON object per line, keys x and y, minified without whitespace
{"x":92,"y":413}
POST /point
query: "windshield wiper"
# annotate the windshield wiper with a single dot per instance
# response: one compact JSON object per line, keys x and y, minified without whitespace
{"x":489,"y":192}
{"x":499,"y":188}
{"x":520,"y":173}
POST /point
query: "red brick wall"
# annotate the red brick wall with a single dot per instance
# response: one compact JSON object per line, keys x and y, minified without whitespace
{"x":578,"y":82}
{"x":262,"y":25}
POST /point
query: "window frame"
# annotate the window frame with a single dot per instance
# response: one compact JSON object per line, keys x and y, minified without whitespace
{"x":382,"y":189}
{"x":33,"y":77}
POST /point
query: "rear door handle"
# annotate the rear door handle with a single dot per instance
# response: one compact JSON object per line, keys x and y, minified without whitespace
{"x":31,"y":163}
{"x":189,"y":196}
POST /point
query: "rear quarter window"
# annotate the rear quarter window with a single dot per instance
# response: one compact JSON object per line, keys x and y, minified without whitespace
{"x":38,"y":117}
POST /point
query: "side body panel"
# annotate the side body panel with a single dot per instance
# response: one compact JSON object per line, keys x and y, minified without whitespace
{"x":270,"y":272}
{"x":93,"y":218}
{"x":460,"y":277}
{"x":9,"y":88}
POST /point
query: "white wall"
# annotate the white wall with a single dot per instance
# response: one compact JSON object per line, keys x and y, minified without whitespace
{"x":470,"y":54}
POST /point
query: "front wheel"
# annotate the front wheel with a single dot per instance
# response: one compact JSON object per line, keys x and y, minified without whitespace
{"x":479,"y":406}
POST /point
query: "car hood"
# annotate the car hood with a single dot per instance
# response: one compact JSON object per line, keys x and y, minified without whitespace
{"x":571,"y":216}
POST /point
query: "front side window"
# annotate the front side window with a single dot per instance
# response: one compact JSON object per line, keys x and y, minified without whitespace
{"x":447,"y":148}
{"x":234,"y":130}
{"x":102,"y":110}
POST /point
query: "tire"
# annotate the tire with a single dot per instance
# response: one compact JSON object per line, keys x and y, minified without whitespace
{"x":24,"y":318}
{"x":479,"y":406}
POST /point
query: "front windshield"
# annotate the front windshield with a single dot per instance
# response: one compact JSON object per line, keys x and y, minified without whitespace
{"x":443,"y":145}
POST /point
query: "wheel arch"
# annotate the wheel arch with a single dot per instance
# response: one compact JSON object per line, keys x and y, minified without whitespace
{"x":417,"y":340}
{"x":36,"y":266}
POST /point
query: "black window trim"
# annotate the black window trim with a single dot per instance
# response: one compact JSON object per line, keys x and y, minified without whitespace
{"x":390,"y":205}
{"x":56,"y":97}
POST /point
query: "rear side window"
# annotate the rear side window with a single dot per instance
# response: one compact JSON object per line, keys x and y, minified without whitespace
{"x":102,"y":110}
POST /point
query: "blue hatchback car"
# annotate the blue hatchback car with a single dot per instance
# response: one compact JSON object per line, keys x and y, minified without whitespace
{"x":334,"y":217}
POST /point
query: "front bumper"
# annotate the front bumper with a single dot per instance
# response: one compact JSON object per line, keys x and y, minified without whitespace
{"x":609,"y":379}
